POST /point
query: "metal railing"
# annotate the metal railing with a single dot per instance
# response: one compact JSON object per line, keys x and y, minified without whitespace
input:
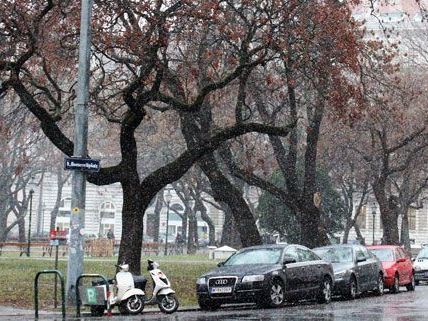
{"x":78,"y":301}
{"x":36,"y":291}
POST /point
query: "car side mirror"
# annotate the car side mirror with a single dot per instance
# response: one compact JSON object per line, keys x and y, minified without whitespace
{"x":361,"y":259}
{"x":413,"y":259}
{"x":220,"y":264}
{"x":288,"y":260}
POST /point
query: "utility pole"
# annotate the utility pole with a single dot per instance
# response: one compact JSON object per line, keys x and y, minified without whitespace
{"x":78,"y":193}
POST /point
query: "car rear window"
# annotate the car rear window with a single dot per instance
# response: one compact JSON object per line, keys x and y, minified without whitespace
{"x":335,"y":254}
{"x":385,"y":255}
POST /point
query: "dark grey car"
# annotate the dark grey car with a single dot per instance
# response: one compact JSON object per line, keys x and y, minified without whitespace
{"x":356,"y":270}
{"x":267,"y":275}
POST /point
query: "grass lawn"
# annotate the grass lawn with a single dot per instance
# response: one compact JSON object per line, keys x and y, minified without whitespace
{"x":17,"y":277}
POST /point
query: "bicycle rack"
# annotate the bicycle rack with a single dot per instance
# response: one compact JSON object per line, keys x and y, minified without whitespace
{"x":36,"y":291}
{"x":78,"y":303}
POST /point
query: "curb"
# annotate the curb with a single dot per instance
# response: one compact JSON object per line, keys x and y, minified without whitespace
{"x":9,"y":311}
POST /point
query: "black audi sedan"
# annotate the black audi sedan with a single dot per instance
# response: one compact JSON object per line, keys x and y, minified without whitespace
{"x":267,"y":275}
{"x":356,"y":270}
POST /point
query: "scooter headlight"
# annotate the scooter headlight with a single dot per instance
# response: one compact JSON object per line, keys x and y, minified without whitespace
{"x":201,"y":281}
{"x":161,"y":275}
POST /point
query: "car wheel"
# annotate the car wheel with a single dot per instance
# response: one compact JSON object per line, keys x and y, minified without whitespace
{"x":411,"y":286}
{"x":352,"y":289}
{"x":396,"y":286}
{"x":276,"y":294}
{"x":208,"y":305}
{"x":324,"y":295}
{"x":379,"y":287}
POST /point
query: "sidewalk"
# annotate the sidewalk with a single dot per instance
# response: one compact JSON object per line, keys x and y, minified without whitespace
{"x":11,"y":313}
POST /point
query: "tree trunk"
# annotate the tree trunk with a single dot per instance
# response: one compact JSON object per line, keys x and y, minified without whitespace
{"x":211,"y":227}
{"x":199,"y":206}
{"x":405,"y":235}
{"x":348,"y":227}
{"x":157,"y":211}
{"x":22,"y":235}
{"x":312,"y":234}
{"x":359,"y":235}
{"x":132,"y":226}
{"x":184,"y":222}
{"x":54,"y":212}
{"x":4,"y":212}
{"x":191,"y":238}
{"x":389,"y":212}
{"x":225,"y":192}
{"x":230,"y":235}
{"x":3,"y":221}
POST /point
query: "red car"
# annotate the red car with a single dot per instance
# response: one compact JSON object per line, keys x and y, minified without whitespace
{"x":398,"y":266}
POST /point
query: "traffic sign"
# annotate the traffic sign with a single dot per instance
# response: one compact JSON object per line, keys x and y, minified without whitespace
{"x":82,"y":164}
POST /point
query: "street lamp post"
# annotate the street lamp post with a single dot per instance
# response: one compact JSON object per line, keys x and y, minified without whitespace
{"x":29,"y":222}
{"x":374,"y":216}
{"x":168,"y":198}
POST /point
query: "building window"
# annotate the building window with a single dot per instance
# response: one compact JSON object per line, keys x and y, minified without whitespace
{"x":65,"y":203}
{"x":64,"y":213}
{"x":107,"y":210}
{"x":361,"y":217}
{"x":63,"y":226}
{"x":107,"y":213}
{"x":171,"y":229}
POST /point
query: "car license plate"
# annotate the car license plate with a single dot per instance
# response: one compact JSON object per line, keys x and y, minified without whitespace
{"x":226,"y":289}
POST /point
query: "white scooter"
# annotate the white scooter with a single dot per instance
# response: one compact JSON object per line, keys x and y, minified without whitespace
{"x":162,"y":295}
{"x":125,"y":295}
{"x":129,"y":292}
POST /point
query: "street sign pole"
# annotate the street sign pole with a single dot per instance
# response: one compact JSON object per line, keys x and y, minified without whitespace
{"x":77,"y":219}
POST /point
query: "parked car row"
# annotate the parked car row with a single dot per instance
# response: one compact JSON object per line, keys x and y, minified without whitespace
{"x":270,"y":275}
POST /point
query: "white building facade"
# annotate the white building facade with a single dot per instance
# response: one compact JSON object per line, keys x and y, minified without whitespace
{"x":370,"y":224}
{"x":103,"y":211}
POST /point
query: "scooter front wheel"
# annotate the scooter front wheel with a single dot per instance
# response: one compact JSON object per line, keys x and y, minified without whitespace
{"x":168,"y":303}
{"x":132,"y":305}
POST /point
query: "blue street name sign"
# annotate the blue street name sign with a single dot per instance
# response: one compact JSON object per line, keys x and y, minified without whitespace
{"x":82,"y":164}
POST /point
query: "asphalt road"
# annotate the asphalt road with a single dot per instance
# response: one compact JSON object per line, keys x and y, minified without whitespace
{"x":404,"y":306}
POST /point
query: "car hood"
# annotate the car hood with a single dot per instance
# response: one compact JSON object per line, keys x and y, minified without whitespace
{"x":241,"y":270}
{"x":340,"y":267}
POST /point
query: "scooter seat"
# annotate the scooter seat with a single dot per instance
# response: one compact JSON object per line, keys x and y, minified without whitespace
{"x":140,"y":282}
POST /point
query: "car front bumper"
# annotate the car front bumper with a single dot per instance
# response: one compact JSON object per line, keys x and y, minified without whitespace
{"x":388,"y":281}
{"x":242,"y":293}
{"x":341,"y":286}
{"x":421,"y":275}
